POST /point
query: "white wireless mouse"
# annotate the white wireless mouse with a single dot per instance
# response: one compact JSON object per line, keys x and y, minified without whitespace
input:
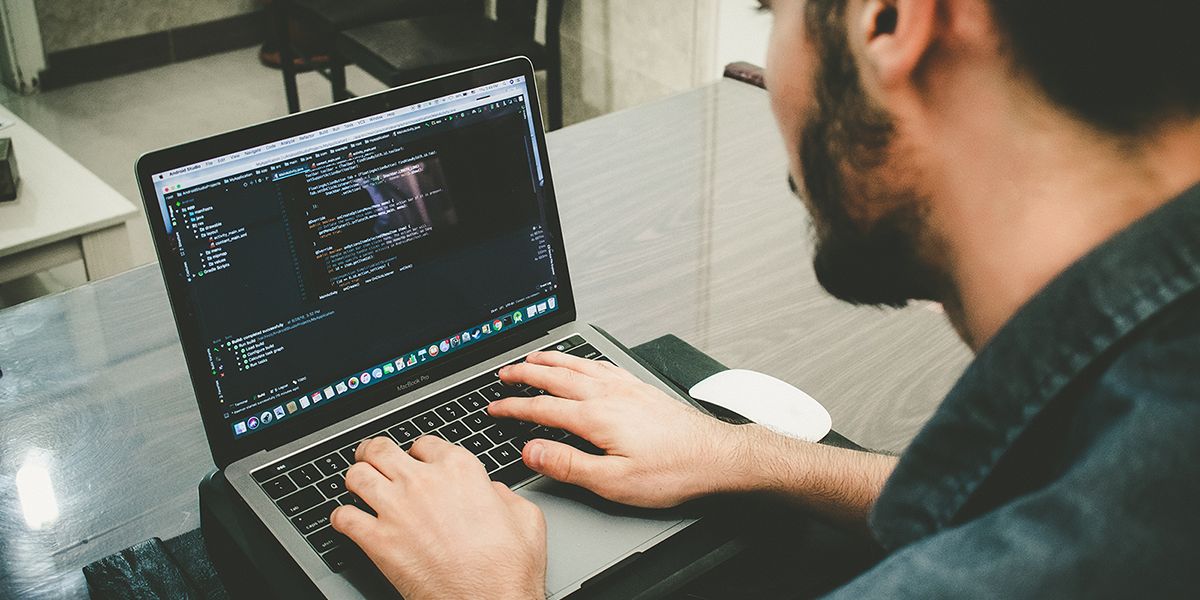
{"x":774,"y":404}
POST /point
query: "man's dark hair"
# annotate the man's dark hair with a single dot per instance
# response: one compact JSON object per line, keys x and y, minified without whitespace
{"x":1125,"y":67}
{"x":1122,"y":66}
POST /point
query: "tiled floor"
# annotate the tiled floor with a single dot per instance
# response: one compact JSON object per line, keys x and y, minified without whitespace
{"x":106,"y":125}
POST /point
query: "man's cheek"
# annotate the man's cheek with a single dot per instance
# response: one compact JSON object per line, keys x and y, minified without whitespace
{"x":788,"y":118}
{"x":792,"y":102}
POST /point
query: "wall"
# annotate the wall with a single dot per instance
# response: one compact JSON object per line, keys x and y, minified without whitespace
{"x":620,"y":53}
{"x":616,"y":53}
{"x":70,"y":24}
{"x":742,"y":33}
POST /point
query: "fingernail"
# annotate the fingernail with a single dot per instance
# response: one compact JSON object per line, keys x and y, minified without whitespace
{"x":533,"y":452}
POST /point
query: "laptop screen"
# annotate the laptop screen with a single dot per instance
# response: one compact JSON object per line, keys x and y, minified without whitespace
{"x":325,"y":264}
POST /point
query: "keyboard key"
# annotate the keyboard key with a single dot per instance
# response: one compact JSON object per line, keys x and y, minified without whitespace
{"x":585,"y":351}
{"x":405,"y":432}
{"x":477,"y":444}
{"x":308,"y":474}
{"x":279,"y":487}
{"x":351,"y":499}
{"x":479,"y":421}
{"x":333,"y":487}
{"x":381,"y":434}
{"x":489,"y":465}
{"x":530,"y":391}
{"x":279,"y":468}
{"x":342,"y":557}
{"x":493,"y":392}
{"x":450,"y":411}
{"x":473,"y":402}
{"x":505,"y":454}
{"x":314,"y":519}
{"x":348,"y":452}
{"x":520,"y":441}
{"x":548,"y":433}
{"x":324,"y":540}
{"x":454,"y":431}
{"x":428,"y":422}
{"x":332,"y":464}
{"x":300,"y":501}
{"x":502,"y":432}
{"x":567,"y":344}
{"x":497,"y":391}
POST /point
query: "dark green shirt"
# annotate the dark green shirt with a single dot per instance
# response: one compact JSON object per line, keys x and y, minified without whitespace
{"x":1065,"y":463}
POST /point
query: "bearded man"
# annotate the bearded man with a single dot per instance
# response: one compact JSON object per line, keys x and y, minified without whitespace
{"x":1033,"y":165}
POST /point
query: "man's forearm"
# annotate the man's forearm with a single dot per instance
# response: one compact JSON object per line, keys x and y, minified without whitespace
{"x":838,"y":483}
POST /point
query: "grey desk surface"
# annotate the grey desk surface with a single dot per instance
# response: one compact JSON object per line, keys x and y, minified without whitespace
{"x":677,"y":219}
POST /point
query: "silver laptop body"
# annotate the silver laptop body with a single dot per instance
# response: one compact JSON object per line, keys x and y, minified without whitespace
{"x":262,"y":386}
{"x":585,"y":535}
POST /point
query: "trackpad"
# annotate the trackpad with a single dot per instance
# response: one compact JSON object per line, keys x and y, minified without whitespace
{"x":585,"y":533}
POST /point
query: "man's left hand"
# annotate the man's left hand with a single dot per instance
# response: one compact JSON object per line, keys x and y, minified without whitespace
{"x":443,"y":530}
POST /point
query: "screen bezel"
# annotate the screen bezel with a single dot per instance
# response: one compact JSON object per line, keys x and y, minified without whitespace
{"x":225,"y":448}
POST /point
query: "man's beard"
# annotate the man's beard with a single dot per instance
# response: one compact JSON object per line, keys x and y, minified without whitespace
{"x":842,"y":147}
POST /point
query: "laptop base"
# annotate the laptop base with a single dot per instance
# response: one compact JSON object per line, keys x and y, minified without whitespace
{"x":253,"y":564}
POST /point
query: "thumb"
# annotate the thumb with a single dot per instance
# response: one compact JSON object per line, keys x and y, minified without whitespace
{"x":557,"y":460}
{"x":353,"y":523}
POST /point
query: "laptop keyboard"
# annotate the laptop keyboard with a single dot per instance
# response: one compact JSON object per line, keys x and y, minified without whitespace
{"x":307,"y":486}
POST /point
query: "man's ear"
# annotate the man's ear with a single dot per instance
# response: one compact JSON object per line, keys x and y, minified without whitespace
{"x":896,"y":36}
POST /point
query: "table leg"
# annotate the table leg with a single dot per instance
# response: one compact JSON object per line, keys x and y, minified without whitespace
{"x":24,"y":264}
{"x":106,"y":252}
{"x":286,"y":66}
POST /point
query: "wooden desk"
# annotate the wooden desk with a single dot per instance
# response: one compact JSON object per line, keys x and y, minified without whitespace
{"x":677,"y":220}
{"x":63,"y":212}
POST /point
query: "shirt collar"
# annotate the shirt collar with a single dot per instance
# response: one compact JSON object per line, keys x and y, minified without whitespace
{"x":1048,"y":343}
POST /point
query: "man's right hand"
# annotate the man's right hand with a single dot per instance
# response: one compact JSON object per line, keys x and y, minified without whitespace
{"x":659,"y":452}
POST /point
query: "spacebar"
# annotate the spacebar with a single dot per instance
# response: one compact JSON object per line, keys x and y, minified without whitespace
{"x":513,"y":474}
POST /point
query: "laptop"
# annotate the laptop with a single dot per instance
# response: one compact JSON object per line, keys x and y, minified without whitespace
{"x":362,"y":270}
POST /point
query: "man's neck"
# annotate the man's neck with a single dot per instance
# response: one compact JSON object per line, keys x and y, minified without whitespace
{"x":1041,"y":196}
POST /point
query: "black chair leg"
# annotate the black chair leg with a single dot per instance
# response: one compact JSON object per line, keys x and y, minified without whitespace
{"x":337,"y":79}
{"x":286,"y":64}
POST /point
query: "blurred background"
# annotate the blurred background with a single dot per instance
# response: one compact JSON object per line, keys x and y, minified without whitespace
{"x":108,"y":80}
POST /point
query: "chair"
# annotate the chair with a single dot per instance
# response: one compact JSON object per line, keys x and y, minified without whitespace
{"x":746,"y":73}
{"x":327,"y":17}
{"x":402,"y":51}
